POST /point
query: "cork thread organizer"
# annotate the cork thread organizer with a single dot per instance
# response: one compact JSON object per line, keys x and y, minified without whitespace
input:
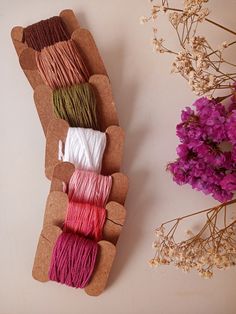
{"x":59,"y":172}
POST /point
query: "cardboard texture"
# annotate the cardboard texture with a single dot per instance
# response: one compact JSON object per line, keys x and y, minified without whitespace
{"x":69,"y":20}
{"x":57,"y":131}
{"x":100,"y":275}
{"x":60,"y":172}
{"x":53,"y":220}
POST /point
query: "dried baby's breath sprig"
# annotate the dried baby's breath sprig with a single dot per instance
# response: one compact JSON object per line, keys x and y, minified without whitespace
{"x":213,"y":246}
{"x":197,"y":61}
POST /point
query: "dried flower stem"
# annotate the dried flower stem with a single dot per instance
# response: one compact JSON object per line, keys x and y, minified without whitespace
{"x":208,"y":20}
{"x":197,"y":61}
{"x":213,"y":246}
{"x":200,"y":212}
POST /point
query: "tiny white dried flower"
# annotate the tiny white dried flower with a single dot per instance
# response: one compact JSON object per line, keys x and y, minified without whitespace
{"x":223,"y":46}
{"x":175,"y":18}
{"x":154,"y":262}
{"x":143,"y":19}
{"x":163,"y":9}
{"x":189,"y":233}
{"x":157,"y":45}
{"x":155,"y":244}
{"x":154,"y":30}
{"x":207,"y":274}
{"x":159,"y":232}
{"x":202,"y":14}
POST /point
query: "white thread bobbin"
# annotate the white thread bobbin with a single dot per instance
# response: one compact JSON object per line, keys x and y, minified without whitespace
{"x":84,"y":148}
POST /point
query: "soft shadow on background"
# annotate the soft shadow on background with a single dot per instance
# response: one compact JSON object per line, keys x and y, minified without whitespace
{"x":149,"y":101}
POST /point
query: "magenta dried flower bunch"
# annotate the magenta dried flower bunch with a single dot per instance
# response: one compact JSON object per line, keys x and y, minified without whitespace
{"x":207,"y":153}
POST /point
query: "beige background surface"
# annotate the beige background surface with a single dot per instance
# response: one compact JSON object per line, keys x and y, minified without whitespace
{"x":149,"y":101}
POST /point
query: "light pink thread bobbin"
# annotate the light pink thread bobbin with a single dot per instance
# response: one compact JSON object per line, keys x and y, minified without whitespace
{"x":89,"y":187}
{"x":88,"y":193}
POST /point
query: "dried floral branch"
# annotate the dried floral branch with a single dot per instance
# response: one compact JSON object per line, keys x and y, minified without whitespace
{"x":214,"y":245}
{"x":197,"y":61}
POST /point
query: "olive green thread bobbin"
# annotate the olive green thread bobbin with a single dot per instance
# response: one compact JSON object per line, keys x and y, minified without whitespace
{"x":77,"y":105}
